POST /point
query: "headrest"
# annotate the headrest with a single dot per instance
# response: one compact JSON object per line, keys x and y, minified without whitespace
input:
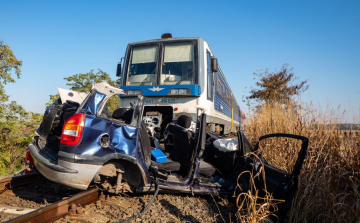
{"x":184,"y":121}
{"x":118,"y":113}
{"x":70,"y":106}
{"x":127,"y":116}
{"x":73,"y":103}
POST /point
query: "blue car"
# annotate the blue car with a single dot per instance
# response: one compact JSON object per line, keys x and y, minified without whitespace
{"x":79,"y":143}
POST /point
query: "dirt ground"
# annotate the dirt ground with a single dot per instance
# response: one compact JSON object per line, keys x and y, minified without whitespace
{"x":167,"y":208}
{"x":34,"y":196}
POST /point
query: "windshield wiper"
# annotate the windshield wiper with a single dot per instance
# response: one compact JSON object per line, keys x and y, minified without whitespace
{"x":147,"y":78}
{"x":186,"y":77}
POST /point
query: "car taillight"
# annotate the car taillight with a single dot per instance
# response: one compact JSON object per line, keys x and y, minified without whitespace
{"x":30,"y":167}
{"x":73,"y":130}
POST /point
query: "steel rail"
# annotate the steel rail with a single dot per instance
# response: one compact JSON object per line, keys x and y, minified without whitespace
{"x":59,"y":209}
{"x":7,"y":184}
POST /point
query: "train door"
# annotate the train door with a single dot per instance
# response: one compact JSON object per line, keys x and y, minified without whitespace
{"x":210,"y":78}
{"x":210,"y":90}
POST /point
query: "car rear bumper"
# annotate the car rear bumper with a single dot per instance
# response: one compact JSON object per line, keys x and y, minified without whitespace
{"x":67,"y":173}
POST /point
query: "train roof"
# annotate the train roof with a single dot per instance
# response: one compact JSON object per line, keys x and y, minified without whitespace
{"x":167,"y":40}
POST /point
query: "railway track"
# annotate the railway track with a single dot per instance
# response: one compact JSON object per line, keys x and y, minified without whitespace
{"x":32,"y":198}
{"x":26,"y":198}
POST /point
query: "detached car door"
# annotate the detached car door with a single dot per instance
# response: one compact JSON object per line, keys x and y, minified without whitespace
{"x":282,"y":185}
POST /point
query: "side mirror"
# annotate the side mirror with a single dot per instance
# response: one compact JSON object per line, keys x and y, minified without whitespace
{"x":214,"y":64}
{"x":118,"y":70}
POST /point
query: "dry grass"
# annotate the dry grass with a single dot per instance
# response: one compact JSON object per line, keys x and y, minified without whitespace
{"x":329,"y":183}
{"x":253,"y":208}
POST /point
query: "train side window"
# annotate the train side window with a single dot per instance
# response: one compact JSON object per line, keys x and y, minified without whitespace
{"x":227,"y":96}
{"x":224,"y":92}
{"x":210,"y":78}
{"x":219,"y":86}
{"x":222,"y":87}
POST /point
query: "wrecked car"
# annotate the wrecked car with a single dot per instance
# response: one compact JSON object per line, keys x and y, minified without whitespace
{"x":80,"y":143}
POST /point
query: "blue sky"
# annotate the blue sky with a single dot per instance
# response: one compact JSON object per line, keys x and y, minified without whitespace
{"x":320,"y":39}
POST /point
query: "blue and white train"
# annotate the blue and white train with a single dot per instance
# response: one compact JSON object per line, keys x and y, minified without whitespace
{"x":177,"y":76}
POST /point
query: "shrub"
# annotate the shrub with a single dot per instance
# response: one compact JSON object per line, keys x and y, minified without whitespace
{"x":17,"y":127}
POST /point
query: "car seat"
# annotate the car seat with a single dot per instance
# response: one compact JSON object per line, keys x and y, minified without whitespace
{"x":184,"y":146}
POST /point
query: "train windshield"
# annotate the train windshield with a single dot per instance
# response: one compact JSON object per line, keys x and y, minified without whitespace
{"x":176,"y":65}
{"x":143,"y":65}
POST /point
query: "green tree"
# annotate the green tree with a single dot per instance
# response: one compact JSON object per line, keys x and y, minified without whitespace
{"x":83,"y":83}
{"x":277,"y":86}
{"x":17,"y":128}
{"x":53,"y":98}
{"x":8,"y":64}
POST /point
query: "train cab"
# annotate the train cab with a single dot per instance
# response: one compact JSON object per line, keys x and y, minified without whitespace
{"x":177,"y":76}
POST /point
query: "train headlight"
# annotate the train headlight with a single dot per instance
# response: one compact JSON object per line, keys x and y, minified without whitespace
{"x":174,"y":91}
{"x":133,"y":92}
{"x":180,"y":91}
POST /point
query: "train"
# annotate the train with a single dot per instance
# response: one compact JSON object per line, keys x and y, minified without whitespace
{"x":178,"y":76}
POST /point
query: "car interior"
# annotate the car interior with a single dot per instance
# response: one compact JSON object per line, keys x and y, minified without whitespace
{"x":180,"y":148}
